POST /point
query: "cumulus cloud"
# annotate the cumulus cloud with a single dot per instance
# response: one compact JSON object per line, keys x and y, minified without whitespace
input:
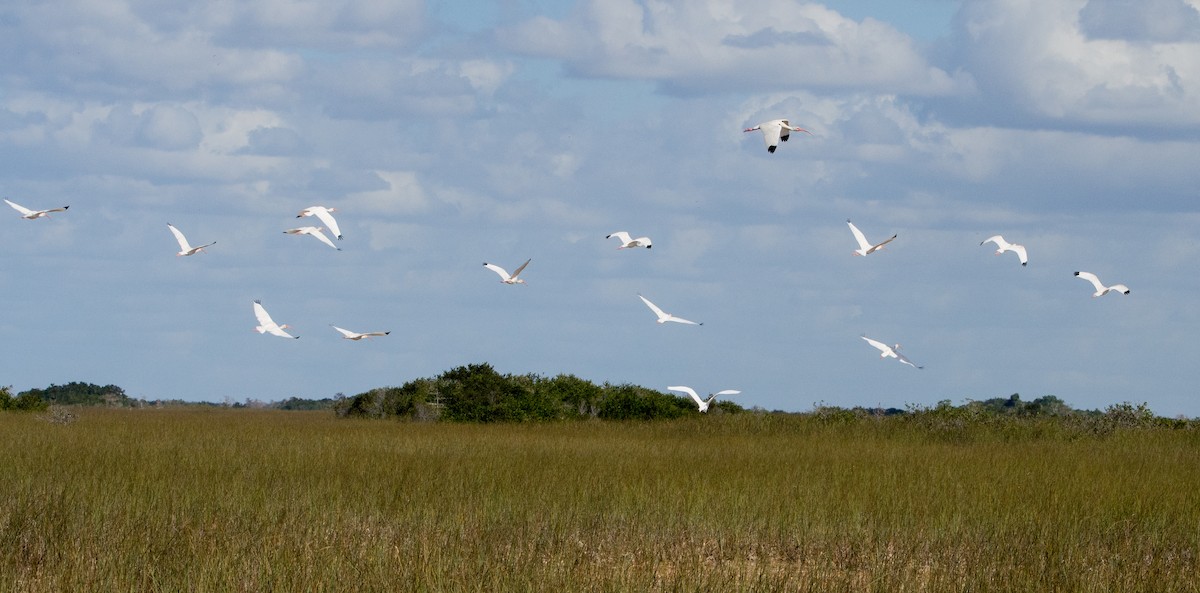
{"x":1038,"y":58}
{"x":1160,"y":21}
{"x":693,"y":46}
{"x":385,"y":88}
{"x":274,"y":141}
{"x":402,"y":194}
{"x":117,"y":49}
{"x":335,"y":24}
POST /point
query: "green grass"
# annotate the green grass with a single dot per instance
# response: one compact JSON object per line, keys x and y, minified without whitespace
{"x":218,"y":500}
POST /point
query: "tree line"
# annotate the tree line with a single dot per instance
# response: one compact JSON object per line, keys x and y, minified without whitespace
{"x":478,"y":393}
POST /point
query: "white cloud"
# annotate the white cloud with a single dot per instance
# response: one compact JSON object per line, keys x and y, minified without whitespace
{"x":1141,"y":20}
{"x":112,"y":48}
{"x":690,"y":46}
{"x":380,"y":88}
{"x":325,"y":24}
{"x":403,"y":195}
{"x":1035,"y":56}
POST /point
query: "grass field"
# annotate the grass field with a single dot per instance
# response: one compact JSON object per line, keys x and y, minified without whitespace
{"x":245,"y":500}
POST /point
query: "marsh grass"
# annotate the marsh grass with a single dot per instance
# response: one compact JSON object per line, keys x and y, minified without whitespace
{"x":218,"y":500}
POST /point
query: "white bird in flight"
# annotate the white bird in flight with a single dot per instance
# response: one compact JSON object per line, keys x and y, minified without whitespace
{"x":1101,"y":289}
{"x":505,"y":277}
{"x":702,"y":404}
{"x":886,"y":351}
{"x":314,"y":231}
{"x":186,"y":248}
{"x":1003,"y":246}
{"x":33,"y":214}
{"x":627,"y":242}
{"x":663,"y":316}
{"x":266,"y":325}
{"x":776,"y":131}
{"x":349,"y":335}
{"x":324,"y":215}
{"x":865,"y":247}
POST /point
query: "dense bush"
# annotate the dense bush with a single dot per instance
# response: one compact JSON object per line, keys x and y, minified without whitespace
{"x":22,"y":403}
{"x":81,"y":394}
{"x":478,"y":393}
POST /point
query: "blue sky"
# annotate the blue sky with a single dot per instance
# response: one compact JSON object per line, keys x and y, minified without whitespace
{"x":447,"y":135}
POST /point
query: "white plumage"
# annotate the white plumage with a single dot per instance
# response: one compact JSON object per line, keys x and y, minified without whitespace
{"x":1002,"y":246}
{"x":505,"y":277}
{"x":776,"y":131}
{"x":349,"y":335}
{"x":627,"y":242}
{"x":1101,"y":289}
{"x":33,"y":214}
{"x":325,"y":216}
{"x":663,"y":316}
{"x":266,"y":325}
{"x":186,"y":248}
{"x":702,"y":403}
{"x":865,"y":247}
{"x":886,"y":351}
{"x":313,"y":231}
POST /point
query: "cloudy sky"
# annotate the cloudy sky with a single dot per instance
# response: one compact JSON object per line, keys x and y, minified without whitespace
{"x":448,"y":134}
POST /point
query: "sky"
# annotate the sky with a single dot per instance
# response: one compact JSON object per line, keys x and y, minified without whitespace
{"x":448,"y":134}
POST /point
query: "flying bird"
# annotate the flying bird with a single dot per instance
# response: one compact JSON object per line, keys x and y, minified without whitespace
{"x":505,"y":277}
{"x":186,"y":248}
{"x":33,"y":214}
{"x":702,"y":404}
{"x":776,"y":131}
{"x":268,"y":326}
{"x":627,"y":242}
{"x":663,"y":316}
{"x":1101,"y":289}
{"x":314,"y":231}
{"x":1003,"y":246}
{"x":865,"y":247}
{"x":349,"y":335}
{"x":886,"y":351}
{"x":324,"y":215}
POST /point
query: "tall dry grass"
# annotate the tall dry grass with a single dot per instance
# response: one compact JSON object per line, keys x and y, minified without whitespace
{"x":218,"y":500}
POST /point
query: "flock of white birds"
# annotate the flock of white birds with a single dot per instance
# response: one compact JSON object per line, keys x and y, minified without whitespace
{"x":773,"y":132}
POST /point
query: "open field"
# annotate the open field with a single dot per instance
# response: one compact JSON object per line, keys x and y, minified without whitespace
{"x":224,"y":500}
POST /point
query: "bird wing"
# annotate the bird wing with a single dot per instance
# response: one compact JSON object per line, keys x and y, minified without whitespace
{"x":904,"y":359}
{"x":728,"y":392}
{"x":643,"y":242}
{"x":1090,"y":277}
{"x":497,"y":269}
{"x":682,"y":320}
{"x":1121,"y":287}
{"x":520,"y":269}
{"x":689,"y":391}
{"x":659,"y":312}
{"x":326,"y":217}
{"x":771,"y":133}
{"x":349,"y":335}
{"x":316,"y":232}
{"x":997,"y":239}
{"x":1020,"y":249}
{"x":183,"y":242}
{"x":260,"y":313}
{"x":275,"y":330}
{"x":622,"y":235}
{"x":880,"y":345}
{"x":19,"y":208}
{"x":859,"y":236}
{"x":878,"y":245}
{"x":378,"y":334}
